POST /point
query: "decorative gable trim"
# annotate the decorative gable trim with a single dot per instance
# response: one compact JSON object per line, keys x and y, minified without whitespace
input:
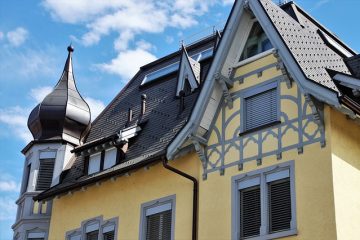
{"x":189,"y":71}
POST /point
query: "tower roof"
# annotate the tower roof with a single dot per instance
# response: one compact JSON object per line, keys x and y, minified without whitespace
{"x":63,"y":114}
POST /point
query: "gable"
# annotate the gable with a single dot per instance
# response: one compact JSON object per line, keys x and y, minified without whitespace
{"x":189,"y":73}
{"x":307,"y":71}
{"x":286,"y":120}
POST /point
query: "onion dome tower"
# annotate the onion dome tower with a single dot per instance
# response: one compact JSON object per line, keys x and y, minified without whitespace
{"x":58,"y":124}
{"x":63,"y":114}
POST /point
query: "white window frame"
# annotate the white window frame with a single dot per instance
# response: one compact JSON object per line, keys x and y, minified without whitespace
{"x":246,"y":32}
{"x":261,"y":177}
{"x":107,"y":159}
{"x":156,"y":206}
{"x":198,"y":58}
{"x":257,"y":89}
{"x":90,"y":160}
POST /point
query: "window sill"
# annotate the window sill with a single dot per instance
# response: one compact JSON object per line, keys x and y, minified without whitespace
{"x":253,"y":130}
{"x":276,"y":235}
{"x":253,"y":58}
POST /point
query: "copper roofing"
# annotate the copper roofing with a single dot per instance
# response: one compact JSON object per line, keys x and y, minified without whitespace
{"x":63,"y":114}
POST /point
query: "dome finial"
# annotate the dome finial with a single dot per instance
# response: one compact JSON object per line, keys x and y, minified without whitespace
{"x":70,"y":48}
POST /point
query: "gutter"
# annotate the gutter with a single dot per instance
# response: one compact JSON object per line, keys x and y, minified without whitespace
{"x":195,"y":195}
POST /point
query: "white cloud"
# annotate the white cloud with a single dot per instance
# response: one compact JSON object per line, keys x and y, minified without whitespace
{"x":7,"y":208}
{"x":8,"y":183}
{"x":1,"y":35}
{"x":319,"y":4}
{"x":127,"y":19}
{"x":9,"y":186}
{"x":228,"y":2}
{"x":15,"y":118}
{"x":38,"y":94}
{"x":96,"y":106}
{"x":169,"y":39}
{"x":127,"y":63}
{"x":27,"y":63}
{"x":17,"y":37}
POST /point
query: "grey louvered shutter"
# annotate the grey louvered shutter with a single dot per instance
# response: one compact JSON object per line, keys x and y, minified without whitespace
{"x":261,"y":109}
{"x":92,"y":235}
{"x":45,"y":174}
{"x":279,"y":205}
{"x":250,"y":212}
{"x":158,"y":226}
{"x":109,"y":235}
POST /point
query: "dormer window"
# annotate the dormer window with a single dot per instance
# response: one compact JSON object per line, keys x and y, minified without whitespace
{"x":110,"y":158}
{"x":102,"y":160}
{"x":175,"y":66}
{"x":256,"y":43}
{"x":94,"y":163}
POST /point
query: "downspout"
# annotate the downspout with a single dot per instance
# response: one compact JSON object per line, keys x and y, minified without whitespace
{"x":195,"y":195}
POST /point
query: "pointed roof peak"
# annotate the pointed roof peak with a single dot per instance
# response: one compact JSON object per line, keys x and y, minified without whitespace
{"x":68,"y":63}
{"x":63,"y":114}
{"x":70,"y":48}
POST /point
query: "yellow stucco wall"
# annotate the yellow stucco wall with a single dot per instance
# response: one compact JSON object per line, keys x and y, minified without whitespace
{"x":123,"y":199}
{"x":327,"y":179}
{"x":315,"y":212}
{"x":345,"y":146}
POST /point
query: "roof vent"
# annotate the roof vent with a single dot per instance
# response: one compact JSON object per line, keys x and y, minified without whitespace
{"x":130,"y":115}
{"x":143,"y":104}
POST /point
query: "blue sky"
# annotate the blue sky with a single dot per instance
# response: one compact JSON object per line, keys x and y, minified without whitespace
{"x":112,"y":39}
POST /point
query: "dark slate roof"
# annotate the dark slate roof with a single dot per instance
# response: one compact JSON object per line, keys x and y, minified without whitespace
{"x":63,"y":114}
{"x":354,"y":65}
{"x":300,"y":34}
{"x":163,"y":120}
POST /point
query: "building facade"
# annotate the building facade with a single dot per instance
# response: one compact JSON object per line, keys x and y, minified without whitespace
{"x":251,"y":133}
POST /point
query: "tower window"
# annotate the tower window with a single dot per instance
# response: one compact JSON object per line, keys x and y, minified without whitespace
{"x":45,"y":174}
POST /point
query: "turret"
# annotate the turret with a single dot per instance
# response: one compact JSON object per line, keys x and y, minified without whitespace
{"x":58,"y":124}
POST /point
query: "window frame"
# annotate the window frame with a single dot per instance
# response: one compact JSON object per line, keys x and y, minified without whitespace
{"x":200,"y":56}
{"x":258,"y":178}
{"x":247,"y":30}
{"x":80,"y":233}
{"x":258,"y":89}
{"x":153,"y":205}
{"x":50,"y":157}
{"x":102,"y":160}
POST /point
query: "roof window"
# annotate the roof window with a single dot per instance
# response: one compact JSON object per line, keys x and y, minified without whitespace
{"x":331,"y":43}
{"x":175,"y":66}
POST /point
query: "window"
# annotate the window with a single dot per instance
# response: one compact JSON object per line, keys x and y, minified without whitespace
{"x":92,"y":235}
{"x":94,"y":163}
{"x":94,"y":229}
{"x":102,"y":160}
{"x":110,"y":158}
{"x":26,"y":178}
{"x":157,"y":219}
{"x":256,"y":43}
{"x":260,"y":106}
{"x":36,"y":236}
{"x":175,"y":66}
{"x":109,"y":232}
{"x":45,"y":175}
{"x":264,"y":203}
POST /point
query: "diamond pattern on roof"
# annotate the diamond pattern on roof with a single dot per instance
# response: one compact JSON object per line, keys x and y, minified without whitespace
{"x":306,"y":45}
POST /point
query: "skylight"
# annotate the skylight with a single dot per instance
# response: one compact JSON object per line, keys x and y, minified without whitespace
{"x":175,"y":66}
{"x":334,"y":45}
